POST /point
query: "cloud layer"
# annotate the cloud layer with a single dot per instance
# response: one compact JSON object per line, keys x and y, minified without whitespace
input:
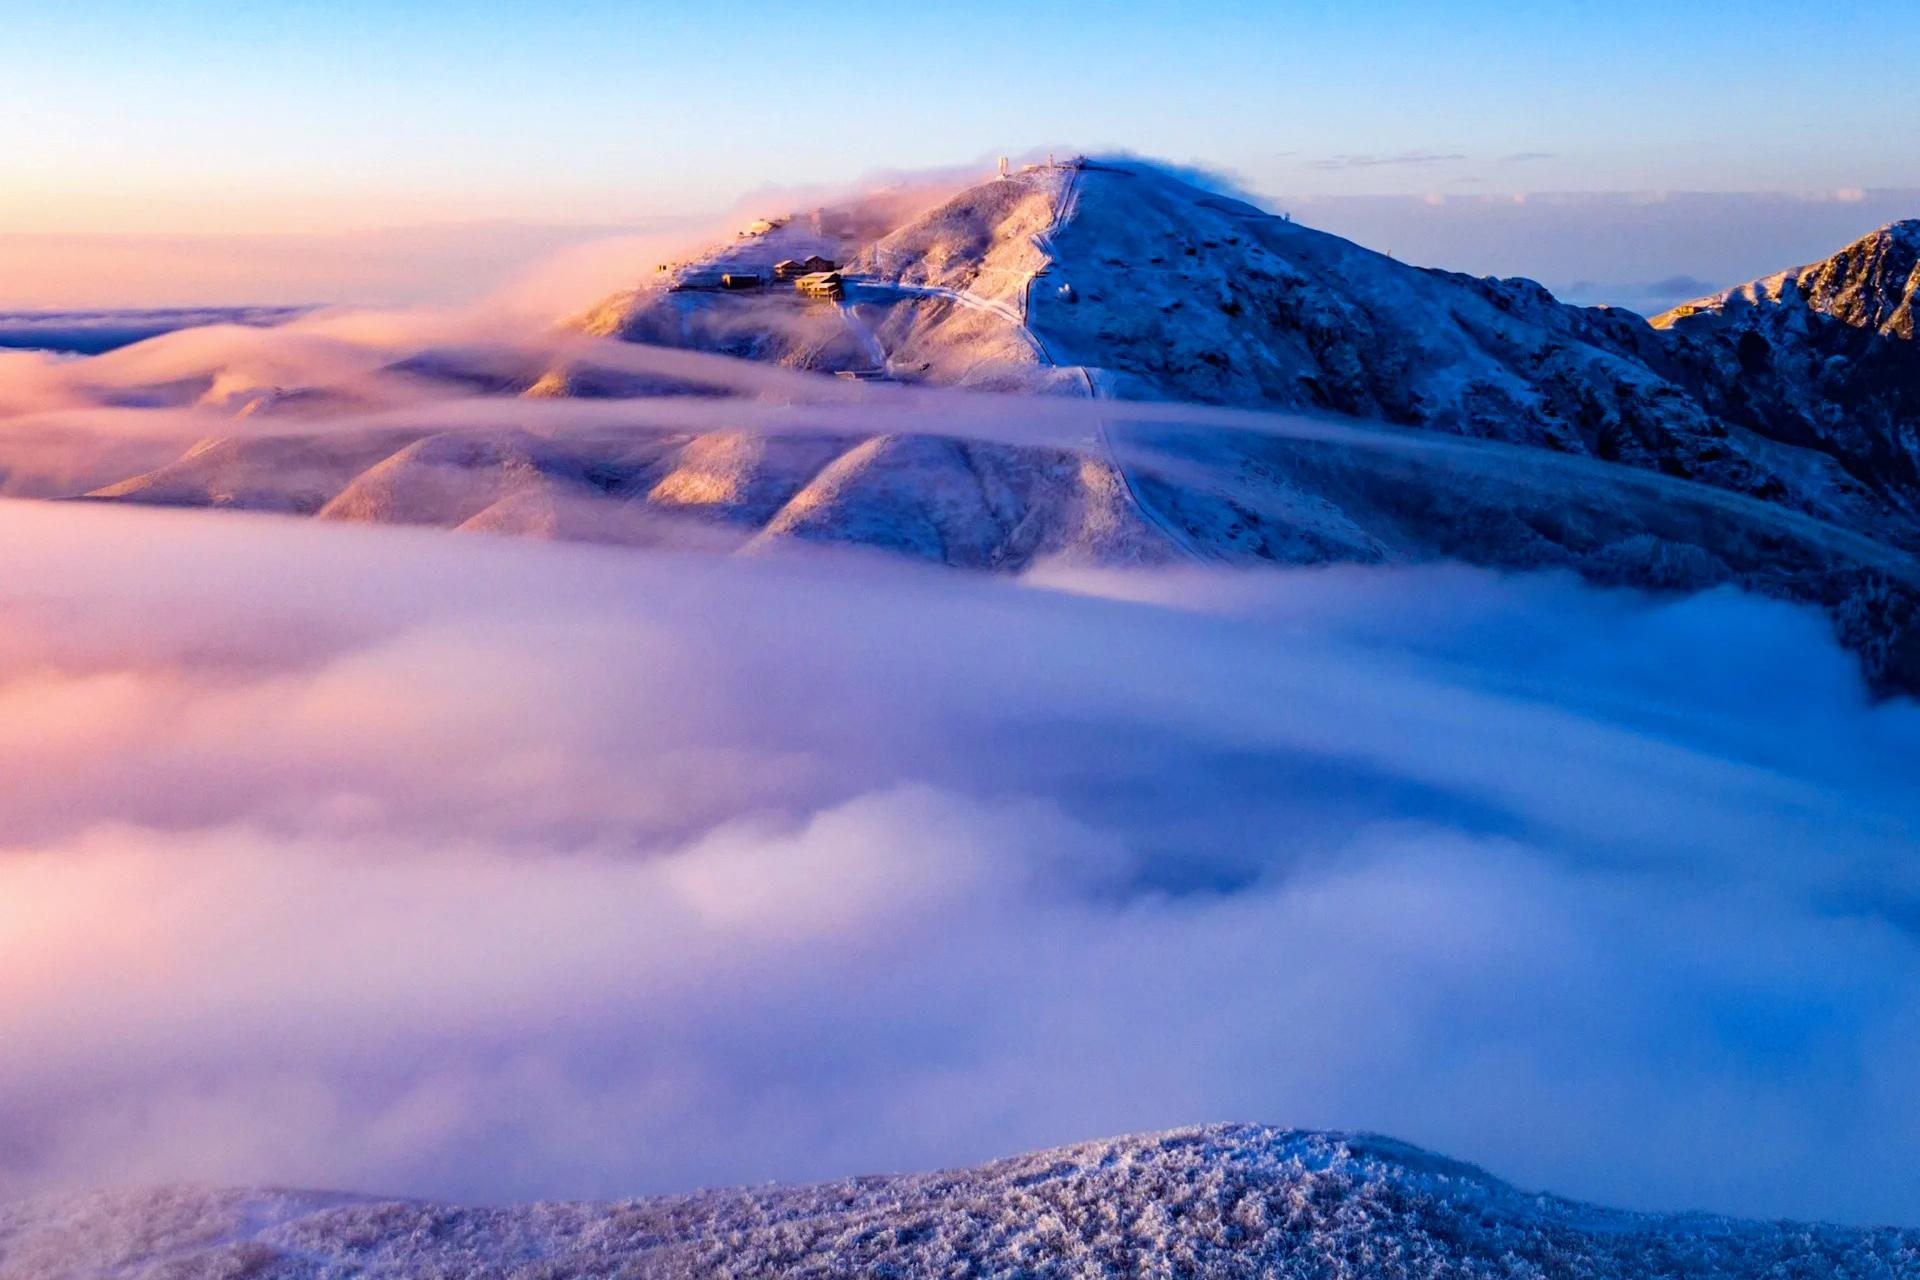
{"x":393,"y":860}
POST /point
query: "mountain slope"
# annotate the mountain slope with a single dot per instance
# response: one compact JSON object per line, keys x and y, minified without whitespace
{"x":1766,"y":441}
{"x":1152,"y":289}
{"x":1868,"y":286}
{"x":1822,"y":357}
{"x":1161,"y":290}
{"x":1187,"y":296}
{"x":1227,"y":1200}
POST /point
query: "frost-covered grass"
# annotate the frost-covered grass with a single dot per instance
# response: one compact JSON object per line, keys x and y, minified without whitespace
{"x":1222,"y":1201}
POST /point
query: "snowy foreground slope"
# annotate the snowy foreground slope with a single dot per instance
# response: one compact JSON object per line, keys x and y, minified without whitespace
{"x":1228,"y":1200}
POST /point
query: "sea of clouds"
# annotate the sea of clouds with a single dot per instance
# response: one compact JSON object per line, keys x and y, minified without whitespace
{"x":436,"y":864}
{"x":402,"y":861}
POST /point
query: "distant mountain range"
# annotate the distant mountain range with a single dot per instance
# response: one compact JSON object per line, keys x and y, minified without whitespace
{"x":93,"y":331}
{"x":1767,"y":437}
{"x":1223,"y":1201}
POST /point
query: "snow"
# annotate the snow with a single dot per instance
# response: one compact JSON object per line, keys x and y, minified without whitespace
{"x":1220,"y":1201}
{"x":1500,"y":427}
{"x":1120,"y":282}
{"x":1166,"y":291}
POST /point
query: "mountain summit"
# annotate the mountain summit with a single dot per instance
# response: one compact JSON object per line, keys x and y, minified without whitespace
{"x":1869,"y":285}
{"x":1769,"y":439}
{"x":1123,"y":280}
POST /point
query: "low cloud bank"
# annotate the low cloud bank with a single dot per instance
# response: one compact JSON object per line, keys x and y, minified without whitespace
{"x":92,"y":332}
{"x":1646,"y":251}
{"x":383,"y":859}
{"x":388,"y":267}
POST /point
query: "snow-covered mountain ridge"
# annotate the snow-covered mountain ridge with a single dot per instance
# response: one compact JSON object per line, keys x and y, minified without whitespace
{"x":1219,"y":1201}
{"x":1869,"y":285}
{"x":1150,"y":288}
{"x":1769,"y":445}
{"x":1163,"y":290}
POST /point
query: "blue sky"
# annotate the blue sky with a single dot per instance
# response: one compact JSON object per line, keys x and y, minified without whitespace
{"x":203,"y":118}
{"x":363,"y":110}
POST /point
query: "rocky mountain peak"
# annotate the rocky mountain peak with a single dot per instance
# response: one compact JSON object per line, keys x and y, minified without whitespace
{"x":1871,"y":283}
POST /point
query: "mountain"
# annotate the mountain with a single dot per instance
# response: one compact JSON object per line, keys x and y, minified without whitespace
{"x":1220,"y":1201}
{"x":1251,"y":310}
{"x":1868,"y":287}
{"x":1765,"y":440}
{"x":1822,"y":358}
{"x":1164,"y":291}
